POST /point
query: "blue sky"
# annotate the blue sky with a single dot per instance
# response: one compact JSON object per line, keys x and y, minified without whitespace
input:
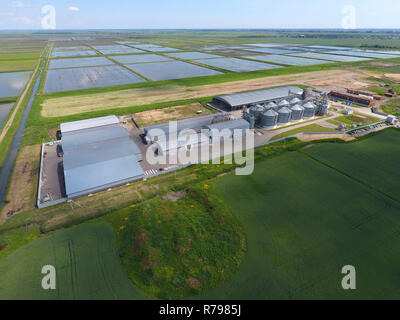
{"x":144,"y":14}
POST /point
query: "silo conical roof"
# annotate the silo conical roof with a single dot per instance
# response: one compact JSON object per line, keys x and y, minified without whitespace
{"x":297,"y":107}
{"x":271,"y":113}
{"x":284,"y":110}
{"x":283,"y":103}
{"x":309,"y":105}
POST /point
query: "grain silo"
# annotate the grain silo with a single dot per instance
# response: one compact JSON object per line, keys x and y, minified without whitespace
{"x":297,"y":112}
{"x":295,"y":101}
{"x":269,"y":119}
{"x":271,"y":105}
{"x":284,"y":115}
{"x":309,"y":110}
{"x":283,"y":103}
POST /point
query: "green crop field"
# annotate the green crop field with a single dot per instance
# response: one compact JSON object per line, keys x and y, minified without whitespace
{"x":304,"y":221}
{"x":374,"y":161}
{"x":87,"y":267}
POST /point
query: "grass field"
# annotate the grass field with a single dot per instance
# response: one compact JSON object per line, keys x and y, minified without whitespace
{"x":307,"y":128}
{"x":87,"y":267}
{"x":392,"y":107}
{"x":181,"y":244}
{"x":304,"y":221}
{"x":354,"y":118}
{"x":17,"y":65}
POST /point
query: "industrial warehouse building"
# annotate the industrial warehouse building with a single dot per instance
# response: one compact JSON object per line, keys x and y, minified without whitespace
{"x":238,"y":101}
{"x":204,"y":130}
{"x":98,"y":154}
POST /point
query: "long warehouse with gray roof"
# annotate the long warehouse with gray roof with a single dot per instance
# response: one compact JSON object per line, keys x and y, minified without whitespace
{"x":237,"y":101}
{"x":98,"y":154}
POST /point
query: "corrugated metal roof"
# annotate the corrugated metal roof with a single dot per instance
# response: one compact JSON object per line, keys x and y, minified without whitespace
{"x":230,"y":125}
{"x":88,"y":124}
{"x":98,"y":156}
{"x":252,"y":97}
{"x":92,"y":176}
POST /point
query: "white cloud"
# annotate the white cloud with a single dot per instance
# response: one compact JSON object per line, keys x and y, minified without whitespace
{"x":73,"y":9}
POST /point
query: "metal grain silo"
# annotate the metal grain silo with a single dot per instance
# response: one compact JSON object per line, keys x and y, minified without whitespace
{"x":283,"y":103}
{"x":271,"y":105}
{"x":297,"y":112}
{"x":269,"y":119}
{"x":284,"y":115}
{"x":295,"y":101}
{"x":258,"y":111}
{"x":309,"y":110}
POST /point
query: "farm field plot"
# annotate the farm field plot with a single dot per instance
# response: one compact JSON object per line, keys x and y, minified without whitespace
{"x":89,"y":77}
{"x":108,"y":47}
{"x":364,"y":54}
{"x":151,"y":117}
{"x":162,"y":49}
{"x":326,"y":56}
{"x":192,"y":55}
{"x":79,"y":62}
{"x":304,"y":222}
{"x":327,"y":48}
{"x":269,"y":50}
{"x":77,"y":48}
{"x":292,"y":61}
{"x":12,"y":84}
{"x":30,"y":55}
{"x":146,"y":46}
{"x":140,"y":58}
{"x":373,"y":161}
{"x":270,"y":45}
{"x":61,"y":54}
{"x":121,"y":51}
{"x":170,"y":70}
{"x":17,"y":65}
{"x":234,"y":52}
{"x":238,"y":65}
{"x":87,"y":265}
{"x":5,"y":109}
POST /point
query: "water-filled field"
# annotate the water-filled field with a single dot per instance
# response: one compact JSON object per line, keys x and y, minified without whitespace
{"x":326,"y":56}
{"x":270,"y":50}
{"x":365,"y":54}
{"x":89,"y":77}
{"x":292,"y":61}
{"x":5,"y":109}
{"x":192,"y":55}
{"x":140,"y":58}
{"x":121,"y":51}
{"x":161,"y":49}
{"x":12,"y":84}
{"x":170,"y":70}
{"x":79,"y":62}
{"x":62,"y":54}
{"x":238,"y":65}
